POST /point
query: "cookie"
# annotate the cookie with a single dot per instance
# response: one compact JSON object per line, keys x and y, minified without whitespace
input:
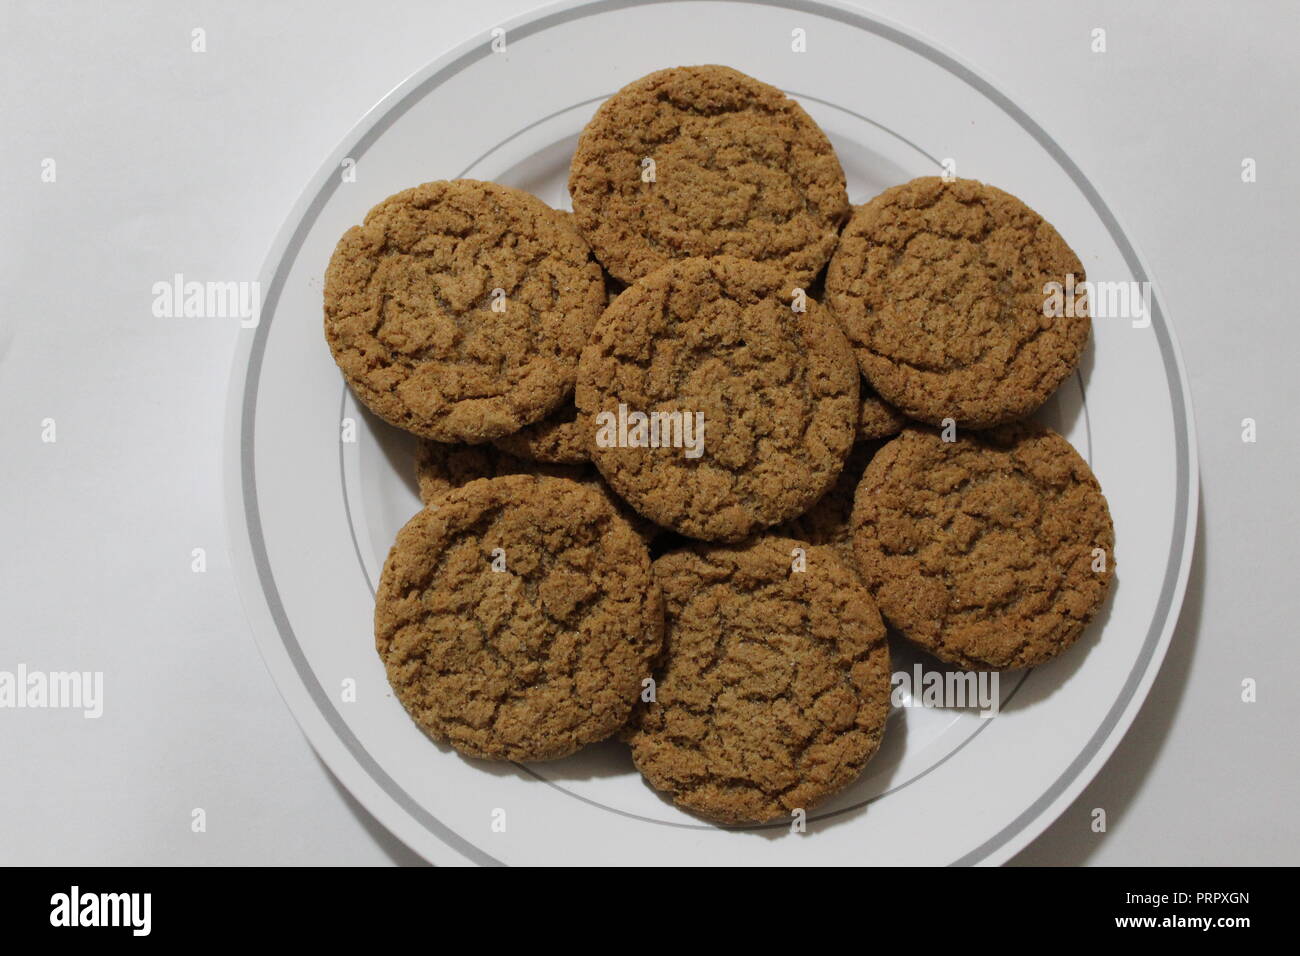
{"x":992,"y":551}
{"x":876,"y":417}
{"x":738,"y":169}
{"x":942,"y":287}
{"x":774,"y":686}
{"x":754,"y":405}
{"x":559,"y":439}
{"x":830,"y":521}
{"x":441,"y":467}
{"x":518,"y":619}
{"x":457,"y":310}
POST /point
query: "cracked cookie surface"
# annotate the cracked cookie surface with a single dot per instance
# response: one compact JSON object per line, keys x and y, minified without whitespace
{"x":410,"y":316}
{"x":981,"y":550}
{"x":778,"y":391}
{"x":739,"y":169}
{"x":528,"y":663}
{"x":940,"y":287}
{"x":773,"y":689}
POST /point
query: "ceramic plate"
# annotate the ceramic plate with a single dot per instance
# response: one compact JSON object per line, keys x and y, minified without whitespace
{"x":317,"y":488}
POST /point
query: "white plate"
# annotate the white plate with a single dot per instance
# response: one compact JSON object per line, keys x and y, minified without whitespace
{"x":312,"y":517}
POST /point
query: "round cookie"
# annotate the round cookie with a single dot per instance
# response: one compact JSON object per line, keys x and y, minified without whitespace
{"x":457,"y":310}
{"x":777,"y":391}
{"x":441,"y":467}
{"x":982,"y":550}
{"x":560,"y":439}
{"x":877,"y":419}
{"x":773,"y":690}
{"x":942,"y":287}
{"x":533,"y":661}
{"x":739,"y":169}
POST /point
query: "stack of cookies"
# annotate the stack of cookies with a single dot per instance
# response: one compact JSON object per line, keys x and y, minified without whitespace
{"x":656,"y":499}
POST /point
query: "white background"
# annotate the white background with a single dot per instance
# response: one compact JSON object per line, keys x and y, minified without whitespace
{"x":170,"y":161}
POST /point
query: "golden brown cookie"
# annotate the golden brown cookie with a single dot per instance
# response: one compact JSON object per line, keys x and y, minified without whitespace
{"x":441,"y":467}
{"x":984,"y":551}
{"x":765,"y":399}
{"x":518,"y":619}
{"x":738,"y":169}
{"x":457,"y":310}
{"x":942,"y":287}
{"x":773,"y":690}
{"x":559,"y":439}
{"x":876,"y":417}
{"x":830,"y":521}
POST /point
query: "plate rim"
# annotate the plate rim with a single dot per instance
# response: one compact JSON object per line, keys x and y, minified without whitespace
{"x":401,"y":816}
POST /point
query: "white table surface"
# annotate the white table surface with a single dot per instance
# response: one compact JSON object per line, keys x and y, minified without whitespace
{"x":170,"y":161}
